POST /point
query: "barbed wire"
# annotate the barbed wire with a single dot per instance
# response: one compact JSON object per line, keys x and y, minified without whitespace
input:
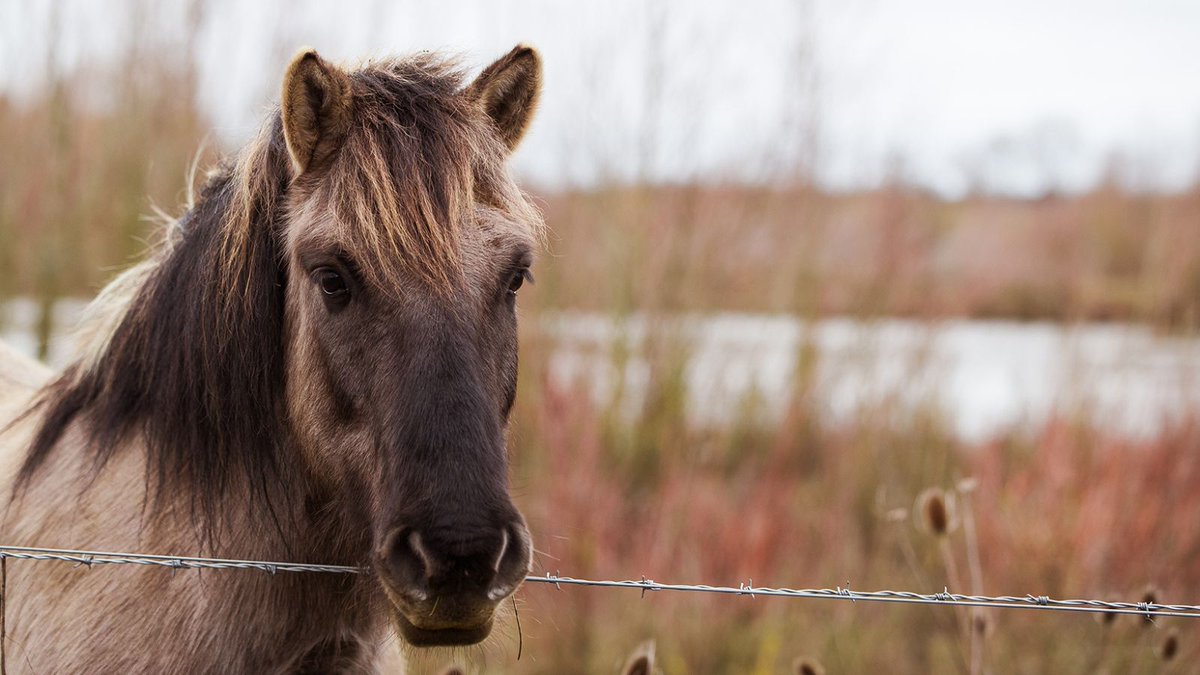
{"x":90,"y":558}
{"x":644,"y":585}
{"x":1041,"y":602}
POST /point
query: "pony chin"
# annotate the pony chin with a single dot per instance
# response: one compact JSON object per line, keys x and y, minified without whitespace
{"x":437,"y":631}
{"x":440,"y":637}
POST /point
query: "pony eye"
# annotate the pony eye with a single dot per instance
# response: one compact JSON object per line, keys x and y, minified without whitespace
{"x":518,"y":280}
{"x":331,"y":282}
{"x":334,"y":289}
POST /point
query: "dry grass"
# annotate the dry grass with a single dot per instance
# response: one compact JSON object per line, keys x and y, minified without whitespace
{"x":1062,"y":511}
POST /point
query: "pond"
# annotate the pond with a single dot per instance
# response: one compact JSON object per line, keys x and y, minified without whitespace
{"x":980,"y":376}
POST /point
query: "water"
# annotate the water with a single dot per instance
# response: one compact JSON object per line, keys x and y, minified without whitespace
{"x":983,"y":376}
{"x":18,"y":327}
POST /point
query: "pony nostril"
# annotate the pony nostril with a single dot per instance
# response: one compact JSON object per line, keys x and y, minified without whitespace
{"x":512,"y":563}
{"x":503,"y":549}
{"x":409,"y":562}
{"x":414,"y":543}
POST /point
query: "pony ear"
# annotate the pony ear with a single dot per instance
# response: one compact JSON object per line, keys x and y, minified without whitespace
{"x":508,"y":91}
{"x":315,"y":107}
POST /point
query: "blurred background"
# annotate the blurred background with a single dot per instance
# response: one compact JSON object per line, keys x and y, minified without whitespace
{"x":818,"y":272}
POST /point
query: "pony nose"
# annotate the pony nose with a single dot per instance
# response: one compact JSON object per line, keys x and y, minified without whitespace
{"x":440,"y":562}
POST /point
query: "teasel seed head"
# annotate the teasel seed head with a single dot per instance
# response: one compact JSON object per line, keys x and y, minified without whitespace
{"x":935,"y":512}
{"x":807,"y":666}
{"x":1169,"y":647}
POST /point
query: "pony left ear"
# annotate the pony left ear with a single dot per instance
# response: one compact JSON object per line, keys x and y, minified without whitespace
{"x":315,"y":106}
{"x":508,"y":90}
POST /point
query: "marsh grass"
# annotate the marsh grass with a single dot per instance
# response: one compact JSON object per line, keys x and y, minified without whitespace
{"x":1064,"y":510}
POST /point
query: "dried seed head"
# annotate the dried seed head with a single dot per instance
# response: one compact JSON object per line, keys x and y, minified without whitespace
{"x":935,"y":512}
{"x":1150,"y":597}
{"x":641,"y":661}
{"x":1169,"y":647}
{"x":981,"y":621}
{"x":1107,"y":619}
{"x":807,"y":666}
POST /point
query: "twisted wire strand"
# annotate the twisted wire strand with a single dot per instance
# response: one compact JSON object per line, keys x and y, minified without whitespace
{"x":644,"y":585}
{"x":92,"y":558}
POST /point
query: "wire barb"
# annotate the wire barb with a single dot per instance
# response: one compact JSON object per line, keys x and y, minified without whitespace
{"x":644,"y":584}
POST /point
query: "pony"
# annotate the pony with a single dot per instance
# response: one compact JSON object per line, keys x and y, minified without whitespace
{"x":315,"y":364}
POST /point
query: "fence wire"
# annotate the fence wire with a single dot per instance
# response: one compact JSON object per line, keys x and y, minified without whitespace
{"x":644,"y":585}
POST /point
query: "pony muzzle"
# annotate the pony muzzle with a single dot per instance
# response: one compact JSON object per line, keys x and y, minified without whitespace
{"x":444,"y":586}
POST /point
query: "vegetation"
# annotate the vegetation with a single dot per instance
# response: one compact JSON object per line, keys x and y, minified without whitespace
{"x":1062,"y":510}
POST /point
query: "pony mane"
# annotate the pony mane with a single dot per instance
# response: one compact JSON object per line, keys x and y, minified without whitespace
{"x":185,"y":351}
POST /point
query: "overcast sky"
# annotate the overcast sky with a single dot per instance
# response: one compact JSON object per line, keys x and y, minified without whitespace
{"x":1018,"y":95}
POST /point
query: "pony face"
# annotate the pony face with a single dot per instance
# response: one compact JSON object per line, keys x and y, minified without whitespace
{"x":407,"y":247}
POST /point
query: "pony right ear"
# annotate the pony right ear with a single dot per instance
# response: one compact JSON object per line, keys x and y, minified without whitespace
{"x":508,"y":90}
{"x":315,"y":106}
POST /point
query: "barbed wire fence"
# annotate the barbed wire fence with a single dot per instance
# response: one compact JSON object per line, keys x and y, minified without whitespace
{"x":1148,"y":610}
